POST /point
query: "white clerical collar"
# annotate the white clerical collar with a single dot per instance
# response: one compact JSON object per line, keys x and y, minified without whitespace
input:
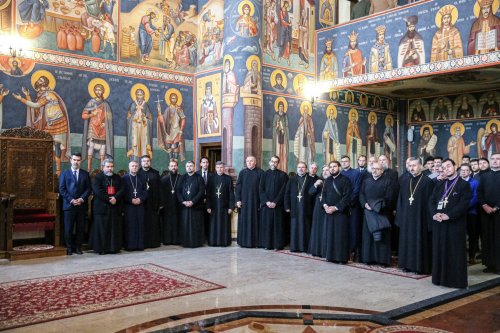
{"x":466,"y":179}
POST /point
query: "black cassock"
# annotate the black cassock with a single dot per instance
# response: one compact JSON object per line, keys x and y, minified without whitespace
{"x":135,"y":187}
{"x":106,"y":235}
{"x":300,"y":203}
{"x":318,"y":223}
{"x":247,"y":191}
{"x":449,"y":252}
{"x":152,"y":235}
{"x":488,"y":193}
{"x":372,"y":190}
{"x":220,"y":198}
{"x":337,"y":192}
{"x":415,"y":223}
{"x":171,"y":209}
{"x":192,"y":188}
{"x":272,"y":220}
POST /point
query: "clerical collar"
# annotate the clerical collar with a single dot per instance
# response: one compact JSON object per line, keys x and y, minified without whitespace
{"x":335,"y":176}
{"x":132,"y":174}
{"x":301,"y":175}
{"x":495,"y":170}
{"x":219,"y":174}
{"x":416,"y":175}
{"x":376,"y":177}
{"x":190,"y":174}
{"x":361,"y":169}
{"x":347,"y":169}
{"x":466,"y":179}
{"x":448,"y":178}
{"x":146,"y":169}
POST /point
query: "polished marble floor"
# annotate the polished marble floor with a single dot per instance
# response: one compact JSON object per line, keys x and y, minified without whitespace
{"x":258,"y":283}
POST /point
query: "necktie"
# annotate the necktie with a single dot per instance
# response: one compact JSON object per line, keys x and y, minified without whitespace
{"x":205,"y":176}
{"x":75,"y":174}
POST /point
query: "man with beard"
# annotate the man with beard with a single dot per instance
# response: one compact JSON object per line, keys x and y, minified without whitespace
{"x":229,"y":84}
{"x":316,"y":241}
{"x":413,"y":220}
{"x":285,"y":33}
{"x":328,"y":67}
{"x":247,"y":201}
{"x":490,"y":107}
{"x":465,"y":110}
{"x":253,"y":80}
{"x":380,"y":54}
{"x":427,"y":144}
{"x":362,"y":164}
{"x":355,"y":215}
{"x":139,"y":128}
{"x":489,"y":199}
{"x":220,"y":204}
{"x":336,"y":201}
{"x":108,"y":191}
{"x":411,"y":51}
{"x":281,"y":135}
{"x":272,"y":215}
{"x":418,"y":113}
{"x":484,"y":33}
{"x":441,"y":111}
{"x":372,"y":137}
{"x":171,"y":205}
{"x":134,"y":197}
{"x":446,"y":43}
{"x":298,"y":202}
{"x":353,"y":62}
{"x":474,"y":165}
{"x":152,"y":235}
{"x":456,"y":145}
{"x":330,"y":137}
{"x":190,"y":194}
{"x":304,"y":145}
{"x":491,"y":141}
{"x":376,"y":197}
{"x":97,"y":127}
{"x":170,"y":127}
{"x":49,"y":114}
{"x":448,"y":207}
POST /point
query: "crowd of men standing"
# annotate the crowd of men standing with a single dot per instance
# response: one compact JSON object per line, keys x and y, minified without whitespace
{"x":367,"y":214}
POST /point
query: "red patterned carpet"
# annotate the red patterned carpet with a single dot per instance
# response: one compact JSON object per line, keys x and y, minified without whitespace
{"x":38,"y":300}
{"x":375,"y":268}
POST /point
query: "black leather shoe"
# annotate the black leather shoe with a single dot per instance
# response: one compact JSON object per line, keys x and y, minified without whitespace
{"x":69,"y":252}
{"x":78,"y":251}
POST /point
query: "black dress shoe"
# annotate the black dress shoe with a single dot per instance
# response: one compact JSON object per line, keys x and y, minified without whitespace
{"x":78,"y":251}
{"x":69,"y":252}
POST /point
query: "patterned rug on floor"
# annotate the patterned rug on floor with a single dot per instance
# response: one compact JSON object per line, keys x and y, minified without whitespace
{"x":393,"y":270}
{"x":39,"y":300}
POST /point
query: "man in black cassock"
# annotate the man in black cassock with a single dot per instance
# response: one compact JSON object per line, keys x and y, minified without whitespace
{"x":220,"y":204}
{"x":336,"y":201}
{"x":316,"y":240}
{"x":489,"y":200}
{"x":376,"y":196}
{"x":313,"y":170}
{"x":135,"y":195}
{"x":171,"y":205}
{"x":299,"y":203}
{"x":448,"y":206}
{"x":190,"y":194}
{"x":272,"y":215}
{"x":247,"y":201}
{"x":414,"y":220}
{"x":106,"y":234}
{"x":152,"y":236}
{"x":206,"y":175}
{"x":394,"y":177}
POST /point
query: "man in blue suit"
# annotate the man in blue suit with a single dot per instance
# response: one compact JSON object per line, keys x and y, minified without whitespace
{"x":74,"y":187}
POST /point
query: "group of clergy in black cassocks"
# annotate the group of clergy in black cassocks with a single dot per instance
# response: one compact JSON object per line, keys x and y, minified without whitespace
{"x":364,"y":214}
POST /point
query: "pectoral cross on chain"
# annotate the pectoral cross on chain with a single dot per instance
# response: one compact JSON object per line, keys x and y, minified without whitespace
{"x":218,"y":193}
{"x":445,"y":202}
{"x":299,"y":196}
{"x":135,"y":193}
{"x":411,"y":200}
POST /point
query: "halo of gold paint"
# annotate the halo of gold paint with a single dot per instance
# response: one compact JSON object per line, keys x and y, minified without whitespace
{"x":431,"y":130}
{"x":154,"y":10}
{"x":303,"y":106}
{"x":95,"y":82}
{"x":250,"y":60}
{"x":388,"y":118}
{"x":138,"y":86}
{"x":47,"y":74}
{"x":370,"y":115}
{"x":5,"y":4}
{"x":459,"y":126}
{"x":454,"y":15}
{"x":331,"y":109}
{"x":240,"y":7}
{"x":285,"y":104}
{"x":273,"y":77}
{"x":491,"y":122}
{"x":296,"y":81}
{"x":494,"y":7}
{"x":173,"y":91}
{"x":354,"y":112}
{"x":231,"y":60}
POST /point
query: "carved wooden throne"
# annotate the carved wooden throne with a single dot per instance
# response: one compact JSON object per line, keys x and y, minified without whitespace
{"x":26,"y":172}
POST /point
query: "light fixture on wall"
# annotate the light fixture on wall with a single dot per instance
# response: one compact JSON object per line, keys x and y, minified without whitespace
{"x":14,"y":46}
{"x":16,"y":52}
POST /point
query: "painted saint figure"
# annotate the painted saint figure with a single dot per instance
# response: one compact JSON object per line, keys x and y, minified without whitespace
{"x":32,"y":13}
{"x":48,"y":113}
{"x":465,"y":110}
{"x":170,"y":126}
{"x":285,"y":33}
{"x":229,"y":83}
{"x":389,"y":142}
{"x":456,"y":144}
{"x":353,"y":137}
{"x":427,"y":144}
{"x":253,"y":79}
{"x":331,"y":142}
{"x":380,"y":54}
{"x":208,"y":112}
{"x":304,"y":146}
{"x":167,"y":41}
{"x":484,"y":33}
{"x":139,"y":125}
{"x":411,"y":51}
{"x":418,"y":113}
{"x":328,"y":67}
{"x":146,"y":30}
{"x":271,"y":22}
{"x":304,"y":38}
{"x":281,"y":133}
{"x":446,"y":43}
{"x":490,"y":142}
{"x":353,"y":63}
{"x":246,"y":25}
{"x":372,"y":140}
{"x":490,"y":107}
{"x":441,"y":111}
{"x":97,"y":139}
